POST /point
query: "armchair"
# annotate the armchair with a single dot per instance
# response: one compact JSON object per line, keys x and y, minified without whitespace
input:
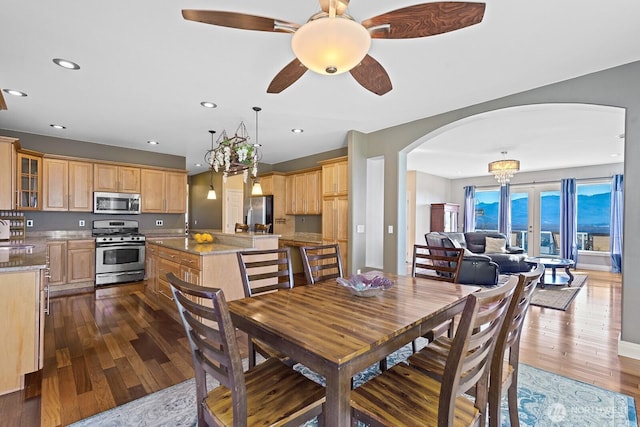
{"x":476,"y":269}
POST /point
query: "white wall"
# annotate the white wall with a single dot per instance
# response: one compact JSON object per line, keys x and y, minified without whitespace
{"x":425,"y":189}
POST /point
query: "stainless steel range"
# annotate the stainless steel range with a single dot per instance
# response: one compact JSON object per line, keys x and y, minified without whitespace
{"x":119,"y":251}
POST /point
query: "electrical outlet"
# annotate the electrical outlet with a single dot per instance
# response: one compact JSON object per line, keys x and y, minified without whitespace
{"x":29,"y":223}
{"x":159,"y":223}
{"x":81,"y":223}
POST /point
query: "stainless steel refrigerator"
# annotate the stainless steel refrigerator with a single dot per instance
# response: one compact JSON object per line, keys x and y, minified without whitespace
{"x":259,"y":210}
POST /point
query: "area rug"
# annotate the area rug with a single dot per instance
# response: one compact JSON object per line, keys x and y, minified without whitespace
{"x":558,"y":297}
{"x":544,"y":399}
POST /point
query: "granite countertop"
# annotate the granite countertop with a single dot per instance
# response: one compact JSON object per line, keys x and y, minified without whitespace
{"x":248,"y":234}
{"x":18,"y":259}
{"x":191,"y":246}
{"x":314,"y":238}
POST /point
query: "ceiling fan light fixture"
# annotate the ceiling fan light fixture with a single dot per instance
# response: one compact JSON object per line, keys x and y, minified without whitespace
{"x":331,"y":46}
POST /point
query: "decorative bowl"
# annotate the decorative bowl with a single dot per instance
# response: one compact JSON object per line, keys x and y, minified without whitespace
{"x":368,"y":284}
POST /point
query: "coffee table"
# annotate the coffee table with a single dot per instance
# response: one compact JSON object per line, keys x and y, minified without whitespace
{"x":553,"y":264}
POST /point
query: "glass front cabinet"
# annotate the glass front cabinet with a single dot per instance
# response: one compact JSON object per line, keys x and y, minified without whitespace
{"x":29,"y":182}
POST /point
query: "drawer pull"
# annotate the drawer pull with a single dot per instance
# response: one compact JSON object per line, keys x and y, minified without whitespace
{"x":165,"y":295}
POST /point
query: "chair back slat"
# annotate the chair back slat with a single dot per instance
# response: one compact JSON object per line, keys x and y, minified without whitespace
{"x":265,"y":270}
{"x":212,"y":339}
{"x":473,"y":345}
{"x":437,"y":262}
{"x":262,"y":228}
{"x":241,"y":228}
{"x":322,"y":262}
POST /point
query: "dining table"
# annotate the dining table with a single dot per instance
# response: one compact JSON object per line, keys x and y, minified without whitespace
{"x":337,"y":334}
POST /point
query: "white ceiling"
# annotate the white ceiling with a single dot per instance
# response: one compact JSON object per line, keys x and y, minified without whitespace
{"x":145,"y":71}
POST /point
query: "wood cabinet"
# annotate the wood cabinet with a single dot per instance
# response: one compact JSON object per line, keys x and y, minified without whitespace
{"x":266,"y":183}
{"x":57,"y":258}
{"x":303,"y":193}
{"x":335,"y":177}
{"x":81,"y":260}
{"x":29,"y":181}
{"x":22,"y":318}
{"x":163,"y":191}
{"x":67,"y":185}
{"x":151,"y":267}
{"x":444,"y":217}
{"x":8,"y":173}
{"x":184,"y":265}
{"x":71,"y":263}
{"x":335,"y":206}
{"x":116,"y":178}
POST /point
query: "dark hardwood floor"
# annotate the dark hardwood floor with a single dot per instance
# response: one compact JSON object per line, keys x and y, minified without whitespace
{"x":110,"y":347}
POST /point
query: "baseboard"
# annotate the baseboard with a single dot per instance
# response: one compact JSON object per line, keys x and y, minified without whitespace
{"x":595,"y":267}
{"x":628,"y":349}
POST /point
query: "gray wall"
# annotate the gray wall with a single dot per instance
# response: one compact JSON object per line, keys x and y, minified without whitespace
{"x":205,"y":213}
{"x":615,"y":87}
{"x":90,"y":150}
{"x":68,"y":221}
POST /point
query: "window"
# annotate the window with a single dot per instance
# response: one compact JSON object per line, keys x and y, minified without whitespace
{"x":487,"y":203}
{"x":594,"y":216}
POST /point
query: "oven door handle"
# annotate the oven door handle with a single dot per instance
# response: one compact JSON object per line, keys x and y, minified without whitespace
{"x":112,"y":244}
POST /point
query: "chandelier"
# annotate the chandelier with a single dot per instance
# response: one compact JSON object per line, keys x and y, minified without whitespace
{"x":235,"y":155}
{"x":504,"y":169}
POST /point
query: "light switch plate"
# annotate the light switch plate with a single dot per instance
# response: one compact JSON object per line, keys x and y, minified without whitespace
{"x":360,"y":228}
{"x":390,"y":229}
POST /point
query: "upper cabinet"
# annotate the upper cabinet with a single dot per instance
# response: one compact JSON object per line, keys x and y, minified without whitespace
{"x":7,"y":173}
{"x":163,"y":191}
{"x":335,"y":177}
{"x":67,"y":185}
{"x":266,"y":183}
{"x":303,"y":193}
{"x":29,"y":181}
{"x":116,"y":178}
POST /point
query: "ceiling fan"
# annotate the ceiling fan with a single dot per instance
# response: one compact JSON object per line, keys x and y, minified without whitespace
{"x":3,"y":104}
{"x":332,"y":42}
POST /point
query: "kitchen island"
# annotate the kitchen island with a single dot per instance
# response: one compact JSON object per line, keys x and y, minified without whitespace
{"x":22,"y":307}
{"x":212,"y":264}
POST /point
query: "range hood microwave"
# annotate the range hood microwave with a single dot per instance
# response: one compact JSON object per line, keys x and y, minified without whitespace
{"x":116,"y":203}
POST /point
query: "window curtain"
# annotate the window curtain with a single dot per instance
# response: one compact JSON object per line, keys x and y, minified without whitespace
{"x":569,"y":220}
{"x":504,"y":215}
{"x":469,"y":208}
{"x":615,"y":233}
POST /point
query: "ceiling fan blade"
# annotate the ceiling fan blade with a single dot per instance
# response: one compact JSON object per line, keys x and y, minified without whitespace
{"x":287,"y":76}
{"x":3,"y":105}
{"x":372,"y":76}
{"x":239,"y":20}
{"x":427,"y":19}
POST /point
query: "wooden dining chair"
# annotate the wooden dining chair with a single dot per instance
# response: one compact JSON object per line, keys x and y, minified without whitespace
{"x":265,"y":271}
{"x":404,"y":395}
{"x":241,"y":228}
{"x":437,"y":263}
{"x":503,"y":372}
{"x":322,"y":262}
{"x":268,"y":394}
{"x":262,"y":228}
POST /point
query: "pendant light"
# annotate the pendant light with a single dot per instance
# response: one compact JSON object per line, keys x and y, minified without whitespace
{"x":211,"y":195}
{"x":256,"y":188}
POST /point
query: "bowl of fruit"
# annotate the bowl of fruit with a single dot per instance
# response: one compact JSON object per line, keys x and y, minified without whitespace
{"x":203,"y":237}
{"x":367,"y":284}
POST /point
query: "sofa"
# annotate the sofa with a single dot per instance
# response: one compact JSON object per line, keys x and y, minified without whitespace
{"x":483,"y":248}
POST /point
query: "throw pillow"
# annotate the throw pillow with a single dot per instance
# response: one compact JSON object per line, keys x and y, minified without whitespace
{"x":467,"y":252}
{"x":495,"y":245}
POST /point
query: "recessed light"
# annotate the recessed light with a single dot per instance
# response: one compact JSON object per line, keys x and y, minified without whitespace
{"x":14,"y":92}
{"x":64,"y":63}
{"x":208,"y":104}
{"x":197,"y":165}
{"x":57,"y":126}
{"x":614,"y":155}
{"x":297,"y":130}
{"x":152,"y":142}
